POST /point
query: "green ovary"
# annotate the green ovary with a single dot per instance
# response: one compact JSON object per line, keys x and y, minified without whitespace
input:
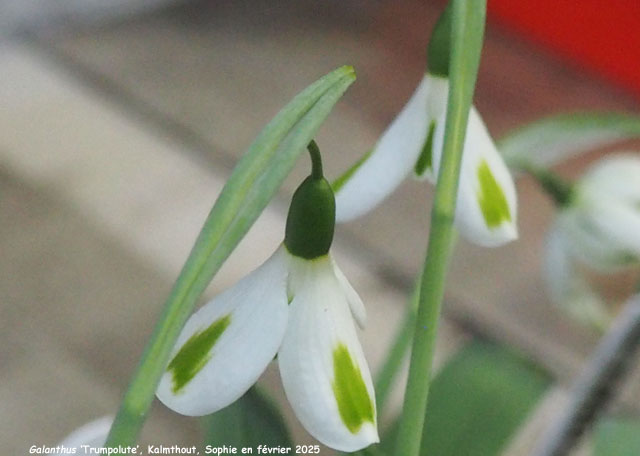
{"x":194,"y":354}
{"x":354,"y":404}
{"x":493,"y":203}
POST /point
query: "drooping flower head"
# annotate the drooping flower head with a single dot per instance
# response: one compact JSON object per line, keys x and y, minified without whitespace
{"x":299,"y":306}
{"x":486,"y":204}
{"x":598,"y":225}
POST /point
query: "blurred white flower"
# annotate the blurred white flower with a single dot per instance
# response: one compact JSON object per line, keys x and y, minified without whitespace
{"x":299,"y":306}
{"x":486,"y":208}
{"x":599,"y":228}
{"x":91,"y":435}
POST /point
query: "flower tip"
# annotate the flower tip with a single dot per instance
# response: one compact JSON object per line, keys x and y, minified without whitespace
{"x":510,"y":233}
{"x":506,"y":233}
{"x":366,"y":436}
{"x":371,"y":433}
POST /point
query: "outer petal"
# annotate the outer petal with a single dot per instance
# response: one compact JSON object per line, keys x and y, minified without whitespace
{"x":604,"y":221}
{"x":486,"y":209}
{"x":227,"y":344}
{"x":567,"y":286}
{"x":617,"y":176}
{"x":393,"y":157}
{"x":603,"y":233}
{"x":620,"y":225}
{"x":323,"y":369}
{"x":94,"y":434}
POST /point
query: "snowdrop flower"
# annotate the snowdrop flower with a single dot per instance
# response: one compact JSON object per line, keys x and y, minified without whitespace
{"x":599,"y":227}
{"x":486,"y":205}
{"x":91,"y":435}
{"x":299,"y":306}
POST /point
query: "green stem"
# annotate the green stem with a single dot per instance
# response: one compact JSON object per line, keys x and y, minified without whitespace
{"x":466,"y":40}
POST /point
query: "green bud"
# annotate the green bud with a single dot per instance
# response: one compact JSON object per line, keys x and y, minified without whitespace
{"x":439,"y":47}
{"x":312,"y":214}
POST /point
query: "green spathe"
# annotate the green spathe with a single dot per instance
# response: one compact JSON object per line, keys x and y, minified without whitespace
{"x":493,"y":203}
{"x":194,"y":354}
{"x":439,"y":48}
{"x":354,"y":403}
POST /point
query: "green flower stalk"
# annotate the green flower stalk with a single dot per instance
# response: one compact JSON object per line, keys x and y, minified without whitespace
{"x":467,"y":29}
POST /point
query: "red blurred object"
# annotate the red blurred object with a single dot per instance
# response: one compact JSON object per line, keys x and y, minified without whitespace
{"x":603,"y":35}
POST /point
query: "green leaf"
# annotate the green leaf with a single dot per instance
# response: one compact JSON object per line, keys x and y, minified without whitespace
{"x":250,"y":421}
{"x":617,"y":437}
{"x":252,"y":184}
{"x":479,"y":400}
{"x":553,"y":139}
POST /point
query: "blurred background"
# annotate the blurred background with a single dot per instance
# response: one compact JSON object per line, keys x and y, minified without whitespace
{"x":120,"y":121}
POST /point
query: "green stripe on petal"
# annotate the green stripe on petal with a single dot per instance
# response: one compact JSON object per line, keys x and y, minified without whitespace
{"x":425,"y":161}
{"x":493,"y":203}
{"x":354,"y":403}
{"x":194,"y":354}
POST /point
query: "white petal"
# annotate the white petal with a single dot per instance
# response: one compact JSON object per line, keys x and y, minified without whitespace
{"x":486,"y":209}
{"x":568,"y":288}
{"x":356,"y":305}
{"x":586,"y":242}
{"x":619,"y":224}
{"x":616,"y":176}
{"x":94,"y":434}
{"x":391,"y":159}
{"x":245,"y":324}
{"x":320,"y":341}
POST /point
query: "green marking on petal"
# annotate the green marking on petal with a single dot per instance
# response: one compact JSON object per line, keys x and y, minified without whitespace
{"x":425,"y":159}
{"x":354,"y":403}
{"x":194,"y":354}
{"x":340,"y":181}
{"x":491,"y":198}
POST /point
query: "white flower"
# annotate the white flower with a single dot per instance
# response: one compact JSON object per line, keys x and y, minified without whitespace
{"x":299,"y":306}
{"x":90,"y":436}
{"x":599,"y":228}
{"x":486,"y":205}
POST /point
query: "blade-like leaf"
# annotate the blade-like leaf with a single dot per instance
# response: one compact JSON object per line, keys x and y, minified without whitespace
{"x":479,"y":400}
{"x":250,"y":421}
{"x":553,"y":139}
{"x":252,"y":184}
{"x":617,"y":437}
